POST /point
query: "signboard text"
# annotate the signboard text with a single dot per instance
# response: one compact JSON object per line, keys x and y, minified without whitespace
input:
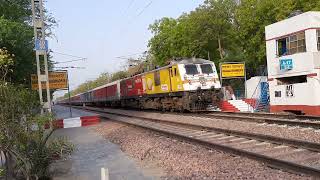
{"x":57,"y":80}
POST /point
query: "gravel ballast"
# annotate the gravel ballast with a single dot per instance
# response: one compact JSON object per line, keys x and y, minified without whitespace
{"x":181,"y":160}
{"x":252,"y":127}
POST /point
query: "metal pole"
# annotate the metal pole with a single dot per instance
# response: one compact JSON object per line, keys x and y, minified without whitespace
{"x":220,"y":64}
{"x":45,"y":58}
{"x":47,"y":82}
{"x":37,"y":55}
{"x":69,"y":95}
{"x":38,"y":24}
{"x":245,"y":80}
{"x":39,"y":81}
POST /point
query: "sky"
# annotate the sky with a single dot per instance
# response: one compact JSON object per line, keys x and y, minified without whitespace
{"x":102,"y":30}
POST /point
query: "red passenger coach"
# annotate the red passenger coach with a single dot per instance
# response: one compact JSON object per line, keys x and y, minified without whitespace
{"x":131,"y":87}
{"x":113,"y":91}
{"x":99,"y":94}
{"x":75,"y":99}
{"x":108,"y":94}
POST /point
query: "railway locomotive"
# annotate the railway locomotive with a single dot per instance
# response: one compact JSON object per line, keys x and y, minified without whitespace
{"x":185,"y":85}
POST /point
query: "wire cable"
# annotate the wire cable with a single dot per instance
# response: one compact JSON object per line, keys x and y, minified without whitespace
{"x":70,"y":67}
{"x":145,"y":8}
{"x":129,"y":55}
{"x":64,"y":54}
{"x":60,"y":62}
{"x":128,"y":7}
{"x":140,"y":13}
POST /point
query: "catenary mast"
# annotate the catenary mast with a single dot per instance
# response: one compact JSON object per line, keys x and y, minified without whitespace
{"x":41,"y":49}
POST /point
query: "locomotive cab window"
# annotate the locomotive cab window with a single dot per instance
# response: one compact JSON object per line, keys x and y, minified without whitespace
{"x":176,"y":72}
{"x":171,"y":73}
{"x":191,"y":69}
{"x":157,"y":78}
{"x":206,"y":68}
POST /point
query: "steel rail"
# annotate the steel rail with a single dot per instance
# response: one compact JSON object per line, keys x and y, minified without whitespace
{"x":266,"y":115}
{"x":273,"y":139}
{"x":258,"y":119}
{"x":156,"y":124}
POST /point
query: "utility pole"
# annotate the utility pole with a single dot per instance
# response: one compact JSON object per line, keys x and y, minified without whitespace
{"x":41,"y":49}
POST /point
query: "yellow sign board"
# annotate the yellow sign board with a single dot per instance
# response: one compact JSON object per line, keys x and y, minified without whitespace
{"x":57,"y":80}
{"x":232,"y":70}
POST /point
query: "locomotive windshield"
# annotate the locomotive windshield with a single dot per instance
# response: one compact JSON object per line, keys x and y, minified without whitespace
{"x":206,"y":68}
{"x":191,"y":69}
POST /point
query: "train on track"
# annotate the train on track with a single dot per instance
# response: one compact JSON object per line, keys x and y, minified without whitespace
{"x":185,"y":85}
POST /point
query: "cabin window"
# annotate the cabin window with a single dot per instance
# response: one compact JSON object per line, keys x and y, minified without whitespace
{"x":277,"y":93}
{"x":292,"y":44}
{"x":206,"y":68}
{"x":157,"y":78}
{"x":191,"y":69}
{"x":292,"y":80}
{"x":282,"y":47}
{"x":297,"y":43}
{"x":318,"y":38}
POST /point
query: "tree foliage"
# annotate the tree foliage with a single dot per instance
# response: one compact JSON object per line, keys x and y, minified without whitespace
{"x":6,"y":63}
{"x":208,"y":29}
{"x":16,"y":35}
{"x":224,"y":29}
{"x":23,"y":139}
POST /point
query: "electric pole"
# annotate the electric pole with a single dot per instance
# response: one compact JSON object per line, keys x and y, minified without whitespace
{"x":41,"y":49}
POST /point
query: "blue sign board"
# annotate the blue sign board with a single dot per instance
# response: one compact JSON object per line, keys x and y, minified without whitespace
{"x":286,"y":64}
{"x":40,"y":45}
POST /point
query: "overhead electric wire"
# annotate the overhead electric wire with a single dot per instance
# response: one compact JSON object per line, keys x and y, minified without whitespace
{"x":128,"y":7}
{"x":70,"y":67}
{"x":64,"y":54}
{"x":128,"y":56}
{"x":82,"y":59}
{"x":140,"y":12}
{"x":144,"y":8}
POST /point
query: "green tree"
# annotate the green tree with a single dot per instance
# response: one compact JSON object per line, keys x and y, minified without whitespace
{"x":251,"y":18}
{"x":23,"y":139}
{"x":17,"y":38}
{"x":16,"y":35}
{"x":6,"y":63}
{"x":161,"y":44}
{"x":16,"y":10}
{"x":209,"y":28}
{"x":118,"y":75}
{"x":230,"y":32}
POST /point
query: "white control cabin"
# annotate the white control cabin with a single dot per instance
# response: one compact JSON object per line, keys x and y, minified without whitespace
{"x":293,"y":57}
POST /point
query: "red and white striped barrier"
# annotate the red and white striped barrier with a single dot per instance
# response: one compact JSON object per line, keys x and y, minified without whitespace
{"x":245,"y":105}
{"x":76,"y":122}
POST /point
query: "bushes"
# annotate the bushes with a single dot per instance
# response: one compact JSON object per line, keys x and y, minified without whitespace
{"x":23,"y":139}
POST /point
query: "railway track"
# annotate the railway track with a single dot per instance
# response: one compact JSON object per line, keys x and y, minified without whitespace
{"x":289,"y":120}
{"x":288,"y":154}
